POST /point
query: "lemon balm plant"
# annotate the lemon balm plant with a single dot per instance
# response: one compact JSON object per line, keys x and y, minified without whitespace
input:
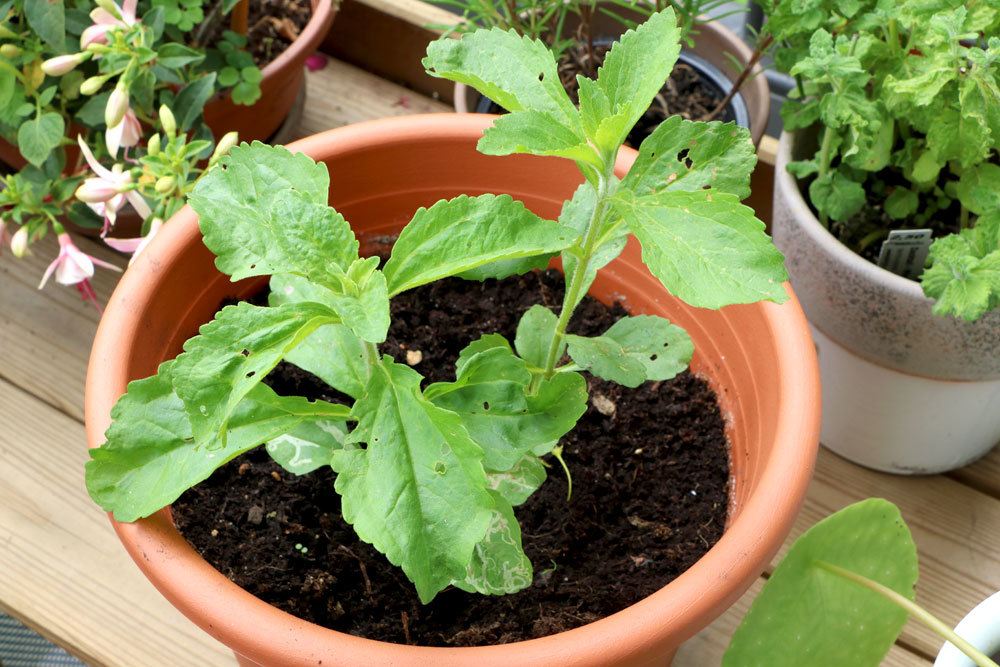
{"x":430,"y":474}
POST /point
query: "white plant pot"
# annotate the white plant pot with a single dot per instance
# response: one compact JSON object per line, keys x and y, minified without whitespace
{"x":904,"y":390}
{"x":981,"y":628}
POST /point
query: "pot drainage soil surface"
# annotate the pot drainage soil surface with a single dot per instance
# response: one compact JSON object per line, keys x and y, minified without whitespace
{"x":650,"y":471}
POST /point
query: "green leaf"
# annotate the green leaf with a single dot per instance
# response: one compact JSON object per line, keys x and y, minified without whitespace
{"x":808,"y":615}
{"x":332,"y":352}
{"x":576,"y":214}
{"x":491,"y":395}
{"x":229,"y":76}
{"x":534,"y":335}
{"x":837,"y":195}
{"x":417,"y":491}
{"x":517,"y":484}
{"x":964,"y":272}
{"x":516,"y":72}
{"x":150,"y":457}
{"x":684,"y":155}
{"x":362,"y":300}
{"x":36,"y":138}
{"x":498,"y":565}
{"x":47,"y":18}
{"x":190,"y":101}
{"x":175,"y":56}
{"x":309,"y":446}
{"x":901,"y":203}
{"x":633,"y":350}
{"x":263,"y":211}
{"x":458,"y":235}
{"x":91,"y":113}
{"x":633,"y":72}
{"x":232,"y":354}
{"x":536,"y":133}
{"x":705,"y":247}
{"x":979,"y":189}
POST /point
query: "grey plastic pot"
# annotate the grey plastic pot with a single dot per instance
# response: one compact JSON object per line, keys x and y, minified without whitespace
{"x":904,"y":390}
{"x":714,"y":44}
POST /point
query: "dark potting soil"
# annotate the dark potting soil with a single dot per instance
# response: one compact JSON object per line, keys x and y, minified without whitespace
{"x":650,"y":471}
{"x":686,"y":93}
{"x":271,"y":28}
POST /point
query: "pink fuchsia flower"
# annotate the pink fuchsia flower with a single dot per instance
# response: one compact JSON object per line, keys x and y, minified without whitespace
{"x":108,"y":190}
{"x":105,"y":20}
{"x":316,"y":61}
{"x":136,"y":245}
{"x":72,"y":266}
{"x":126,"y":133}
{"x":63,"y":64}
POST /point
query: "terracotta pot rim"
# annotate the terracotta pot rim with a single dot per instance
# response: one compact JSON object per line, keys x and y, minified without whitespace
{"x":750,"y":540}
{"x":739,"y":50}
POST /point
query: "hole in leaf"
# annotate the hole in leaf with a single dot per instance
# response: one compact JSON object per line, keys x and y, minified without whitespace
{"x":486,"y":405}
{"x":245,"y":352}
{"x":653,"y":357}
{"x":440,"y":468}
{"x":683,"y":157}
{"x":253,"y":266}
{"x":541,"y":76}
{"x":251,"y":374}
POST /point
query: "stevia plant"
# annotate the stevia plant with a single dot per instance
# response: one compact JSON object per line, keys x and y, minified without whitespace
{"x":430,"y":474}
{"x":840,"y":596}
{"x":906,"y":96}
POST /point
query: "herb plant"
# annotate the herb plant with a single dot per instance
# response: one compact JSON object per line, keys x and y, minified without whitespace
{"x":104,"y":72}
{"x":907,"y":99}
{"x":430,"y":474}
{"x":840,"y":596}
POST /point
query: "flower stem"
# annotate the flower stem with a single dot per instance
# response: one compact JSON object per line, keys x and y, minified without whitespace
{"x":824,"y":166}
{"x":915,"y":611}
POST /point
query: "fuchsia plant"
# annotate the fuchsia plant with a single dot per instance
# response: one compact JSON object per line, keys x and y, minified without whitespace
{"x":131,"y":99}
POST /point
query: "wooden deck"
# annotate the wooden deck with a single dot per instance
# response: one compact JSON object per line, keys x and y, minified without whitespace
{"x":63,"y":573}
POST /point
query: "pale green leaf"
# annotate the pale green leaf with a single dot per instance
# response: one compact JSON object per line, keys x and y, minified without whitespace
{"x":38,"y":137}
{"x":417,"y":491}
{"x":837,"y":195}
{"x":498,"y":565}
{"x":332,"y":353}
{"x":634,"y":349}
{"x":309,"y":446}
{"x":517,"y":484}
{"x":576,"y":214}
{"x":979,"y":188}
{"x":705,"y":247}
{"x":606,"y":358}
{"x":684,"y":155}
{"x":806,"y":615}
{"x":536,"y":133}
{"x":232,"y":354}
{"x":516,"y":72}
{"x":901,"y":203}
{"x":362,"y":299}
{"x":535,"y":331}
{"x":458,"y":235}
{"x":264,"y":210}
{"x":491,"y":394}
{"x":964,"y":272}
{"x":150,"y":457}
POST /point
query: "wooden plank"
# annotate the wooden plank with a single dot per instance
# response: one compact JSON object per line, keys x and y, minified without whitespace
{"x":64,"y":572}
{"x":983,"y":475}
{"x":708,"y":646}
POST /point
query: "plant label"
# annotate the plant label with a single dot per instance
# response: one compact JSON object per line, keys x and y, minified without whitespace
{"x":905,"y":252}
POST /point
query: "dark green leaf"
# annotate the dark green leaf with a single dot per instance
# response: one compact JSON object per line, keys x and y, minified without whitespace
{"x":47,"y":18}
{"x":190,"y":102}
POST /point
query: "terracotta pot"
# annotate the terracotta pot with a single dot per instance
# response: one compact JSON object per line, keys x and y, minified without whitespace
{"x":758,"y":358}
{"x":283,"y":78}
{"x":904,"y":390}
{"x":714,"y":43}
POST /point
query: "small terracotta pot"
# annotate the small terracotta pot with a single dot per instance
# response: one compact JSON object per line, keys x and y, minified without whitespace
{"x":714,"y":43}
{"x":904,"y":390}
{"x":758,"y":358}
{"x":283,"y":79}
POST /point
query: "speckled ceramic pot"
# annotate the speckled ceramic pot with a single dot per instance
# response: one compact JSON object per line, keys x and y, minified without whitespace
{"x":904,"y":390}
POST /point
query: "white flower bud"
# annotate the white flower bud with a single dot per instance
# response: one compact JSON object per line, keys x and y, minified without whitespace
{"x":225,"y":144}
{"x":19,"y":242}
{"x":63,"y":64}
{"x":168,"y":121}
{"x":117,"y":106}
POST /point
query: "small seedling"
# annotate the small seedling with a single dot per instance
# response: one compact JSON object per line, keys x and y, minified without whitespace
{"x":430,"y":474}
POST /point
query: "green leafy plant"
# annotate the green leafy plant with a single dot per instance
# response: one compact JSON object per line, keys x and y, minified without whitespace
{"x":907,"y":99}
{"x":430,"y":475}
{"x":840,"y":596}
{"x":102,"y":72}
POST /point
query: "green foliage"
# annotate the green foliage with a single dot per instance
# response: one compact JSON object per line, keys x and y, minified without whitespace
{"x":429,"y":475}
{"x":807,"y":614}
{"x":907,"y":98}
{"x":964,"y":271}
{"x":37,"y":137}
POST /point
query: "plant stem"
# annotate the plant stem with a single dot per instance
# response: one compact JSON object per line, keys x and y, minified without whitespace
{"x":575,"y":282}
{"x":915,"y":611}
{"x":963,"y":218}
{"x":824,"y":166}
{"x":758,"y":53}
{"x":239,"y":22}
